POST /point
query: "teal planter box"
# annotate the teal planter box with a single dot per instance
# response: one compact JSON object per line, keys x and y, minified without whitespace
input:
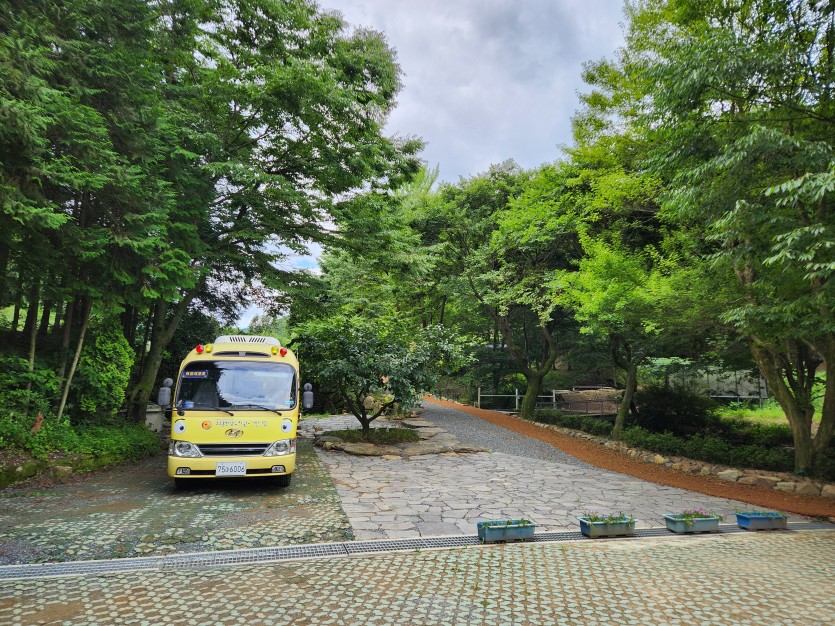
{"x":621,"y":527}
{"x":495,"y":531}
{"x":761,"y":520}
{"x":696,"y":525}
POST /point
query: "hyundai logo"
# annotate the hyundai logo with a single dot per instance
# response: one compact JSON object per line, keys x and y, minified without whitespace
{"x":234,"y":433}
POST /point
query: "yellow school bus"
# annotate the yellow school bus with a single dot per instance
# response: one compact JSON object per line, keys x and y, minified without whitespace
{"x":235,"y":411}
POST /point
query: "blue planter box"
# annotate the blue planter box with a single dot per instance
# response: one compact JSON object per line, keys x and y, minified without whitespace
{"x":624,"y":527}
{"x":494,"y":531}
{"x":758,"y":521}
{"x":696,"y":525}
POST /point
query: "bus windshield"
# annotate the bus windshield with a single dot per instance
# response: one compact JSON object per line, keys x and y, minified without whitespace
{"x":237,"y":384}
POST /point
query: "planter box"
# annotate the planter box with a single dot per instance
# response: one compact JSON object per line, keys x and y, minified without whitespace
{"x":758,"y":521}
{"x":624,"y":527}
{"x":495,"y":531}
{"x":695,"y":525}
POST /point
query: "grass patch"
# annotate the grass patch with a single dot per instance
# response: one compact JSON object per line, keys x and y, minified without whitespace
{"x":736,"y":442}
{"x":377,"y":435}
{"x":770,"y":413}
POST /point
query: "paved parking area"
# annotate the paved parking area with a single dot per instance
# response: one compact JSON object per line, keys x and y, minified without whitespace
{"x":734,"y":578}
{"x":776,"y":578}
{"x":448,"y":493}
{"x":134,"y":510}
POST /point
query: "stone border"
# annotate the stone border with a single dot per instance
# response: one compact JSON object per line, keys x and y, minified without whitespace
{"x":778,"y":481}
{"x":433,"y":440}
{"x":60,"y":469}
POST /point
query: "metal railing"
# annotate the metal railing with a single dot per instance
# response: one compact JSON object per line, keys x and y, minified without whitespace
{"x":727,"y":399}
{"x":550,"y":400}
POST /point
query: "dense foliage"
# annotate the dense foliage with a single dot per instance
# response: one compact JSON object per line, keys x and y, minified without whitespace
{"x":162,"y":158}
{"x":727,"y":442}
{"x":690,"y":220}
{"x":371,"y":366}
{"x":157,"y":161}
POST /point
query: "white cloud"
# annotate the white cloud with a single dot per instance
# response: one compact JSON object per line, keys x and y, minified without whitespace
{"x":487,"y":80}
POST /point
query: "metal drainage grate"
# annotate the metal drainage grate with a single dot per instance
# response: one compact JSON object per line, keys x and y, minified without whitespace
{"x":286,"y":553}
{"x":246,"y":557}
{"x":368,"y":547}
{"x":451,"y":542}
{"x":86,"y":568}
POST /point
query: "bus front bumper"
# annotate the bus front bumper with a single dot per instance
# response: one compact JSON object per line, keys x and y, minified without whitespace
{"x":231,"y":467}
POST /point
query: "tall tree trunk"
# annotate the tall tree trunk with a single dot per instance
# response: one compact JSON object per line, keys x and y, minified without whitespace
{"x":4,"y":267}
{"x":626,"y":404}
{"x":66,"y":335}
{"x":143,"y":349}
{"x":533,"y":385}
{"x":32,"y":308}
{"x":85,"y":320}
{"x":59,"y":315}
{"x":18,"y":302}
{"x":629,"y":365}
{"x":129,"y":324}
{"x":43,"y":327}
{"x":33,"y":335}
{"x":788,"y":377}
{"x":826,"y":429}
{"x":533,"y":372}
{"x":161,"y":336}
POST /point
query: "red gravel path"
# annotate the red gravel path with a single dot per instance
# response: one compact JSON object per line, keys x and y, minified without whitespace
{"x":814,"y":506}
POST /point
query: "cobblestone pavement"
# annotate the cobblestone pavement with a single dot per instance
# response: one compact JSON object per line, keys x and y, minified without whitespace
{"x":134,"y":510}
{"x":777,"y":578}
{"x":447,"y":494}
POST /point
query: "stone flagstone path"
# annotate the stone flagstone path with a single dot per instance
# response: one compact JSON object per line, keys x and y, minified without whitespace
{"x":447,"y":494}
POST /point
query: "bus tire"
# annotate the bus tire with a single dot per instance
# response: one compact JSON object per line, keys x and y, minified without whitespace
{"x":283,"y":480}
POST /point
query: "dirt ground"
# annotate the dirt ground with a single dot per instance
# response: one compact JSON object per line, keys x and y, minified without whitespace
{"x":813,"y":506}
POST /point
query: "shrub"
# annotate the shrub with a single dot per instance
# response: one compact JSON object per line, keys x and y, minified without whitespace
{"x":745,"y":431}
{"x":19,"y":407}
{"x":15,"y":400}
{"x":103,"y":375}
{"x":377,"y":435}
{"x":130,"y":441}
{"x":592,"y":425}
{"x":711,"y":449}
{"x":115,"y":442}
{"x":675,"y":410}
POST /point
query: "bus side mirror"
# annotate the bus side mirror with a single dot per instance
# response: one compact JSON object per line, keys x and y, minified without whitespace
{"x":307,"y":396}
{"x":164,"y":394}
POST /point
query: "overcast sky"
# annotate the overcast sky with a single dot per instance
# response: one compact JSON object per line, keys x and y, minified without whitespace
{"x":488,"y":80}
{"x":485,"y":80}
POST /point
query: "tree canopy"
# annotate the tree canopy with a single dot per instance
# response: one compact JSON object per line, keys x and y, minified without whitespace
{"x":158,"y":162}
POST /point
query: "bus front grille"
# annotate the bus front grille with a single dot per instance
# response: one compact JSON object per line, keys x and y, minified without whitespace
{"x":233,"y":449}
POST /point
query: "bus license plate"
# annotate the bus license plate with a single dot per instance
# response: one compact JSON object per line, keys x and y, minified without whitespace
{"x":237,"y":468}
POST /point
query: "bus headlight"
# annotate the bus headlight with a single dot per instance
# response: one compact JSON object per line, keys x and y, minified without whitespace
{"x":280,"y":448}
{"x":184,"y":449}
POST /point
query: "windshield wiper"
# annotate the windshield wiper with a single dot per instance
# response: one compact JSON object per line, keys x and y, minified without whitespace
{"x":206,"y":407}
{"x":258,"y":406}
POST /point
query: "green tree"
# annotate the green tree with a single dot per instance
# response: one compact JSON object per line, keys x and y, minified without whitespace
{"x":741,"y":116}
{"x":371,"y":365}
{"x":613,"y":297}
{"x":283,"y":110}
{"x":103,"y":374}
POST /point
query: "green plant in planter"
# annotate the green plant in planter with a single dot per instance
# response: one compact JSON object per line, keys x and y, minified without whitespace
{"x":693,"y":520}
{"x":607,"y":518}
{"x":761,"y":520}
{"x":506,"y":530}
{"x":777,"y":514}
{"x":688,"y":516}
{"x":594,"y":524}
